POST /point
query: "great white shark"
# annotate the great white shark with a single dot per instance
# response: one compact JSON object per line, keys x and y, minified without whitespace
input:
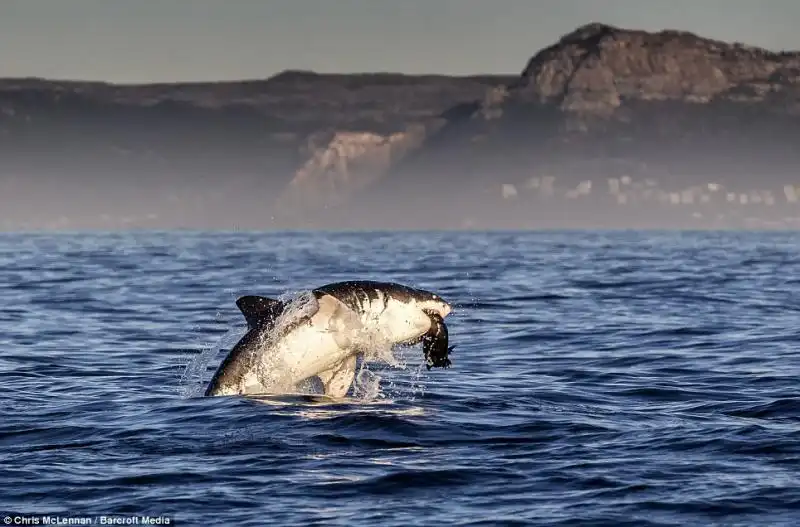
{"x":324,"y":338}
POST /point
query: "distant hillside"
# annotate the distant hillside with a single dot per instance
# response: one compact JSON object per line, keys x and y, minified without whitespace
{"x":606,"y":127}
{"x":613,"y":127}
{"x":202,"y":154}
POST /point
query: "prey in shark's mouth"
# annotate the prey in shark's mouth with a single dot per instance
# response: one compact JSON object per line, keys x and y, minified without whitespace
{"x":435,"y":343}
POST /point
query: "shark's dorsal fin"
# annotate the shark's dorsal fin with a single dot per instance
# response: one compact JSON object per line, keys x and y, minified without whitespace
{"x":259,"y":310}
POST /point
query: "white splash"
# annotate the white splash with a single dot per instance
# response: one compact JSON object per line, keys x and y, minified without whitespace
{"x":192,"y":380}
{"x":270,"y":371}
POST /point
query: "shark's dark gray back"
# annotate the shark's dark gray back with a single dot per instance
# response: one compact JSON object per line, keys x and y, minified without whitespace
{"x":356,"y":293}
{"x":236,"y":364}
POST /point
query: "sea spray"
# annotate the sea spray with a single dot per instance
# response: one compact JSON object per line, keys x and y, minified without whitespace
{"x":193,"y":379}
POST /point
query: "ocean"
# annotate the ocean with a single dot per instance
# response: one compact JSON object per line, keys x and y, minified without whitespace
{"x":598,"y":378}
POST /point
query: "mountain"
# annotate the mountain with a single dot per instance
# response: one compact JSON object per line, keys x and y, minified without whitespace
{"x":88,"y":154}
{"x":608,"y":127}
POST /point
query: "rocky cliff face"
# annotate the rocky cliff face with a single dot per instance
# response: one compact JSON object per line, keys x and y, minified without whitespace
{"x":347,"y":163}
{"x":669,"y":111}
{"x":597,"y":68}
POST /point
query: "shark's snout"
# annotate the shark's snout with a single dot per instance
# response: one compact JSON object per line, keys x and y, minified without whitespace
{"x":446,"y":309}
{"x":438,"y":305}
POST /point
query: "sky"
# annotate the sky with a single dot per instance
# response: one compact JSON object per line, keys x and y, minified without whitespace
{"x":184,"y":40}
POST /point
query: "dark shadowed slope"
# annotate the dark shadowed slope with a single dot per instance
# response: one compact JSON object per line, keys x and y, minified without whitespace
{"x":78,"y":154}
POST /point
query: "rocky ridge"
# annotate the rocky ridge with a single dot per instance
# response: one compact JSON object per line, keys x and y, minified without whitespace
{"x":670,"y":111}
{"x":607,"y":123}
{"x":597,"y":68}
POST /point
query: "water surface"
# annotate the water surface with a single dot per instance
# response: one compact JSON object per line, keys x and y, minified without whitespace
{"x":598,"y":378}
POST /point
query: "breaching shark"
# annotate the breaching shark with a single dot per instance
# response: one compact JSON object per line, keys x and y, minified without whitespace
{"x":327,"y":335}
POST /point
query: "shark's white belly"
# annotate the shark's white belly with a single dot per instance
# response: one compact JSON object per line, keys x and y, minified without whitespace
{"x":308,"y":350}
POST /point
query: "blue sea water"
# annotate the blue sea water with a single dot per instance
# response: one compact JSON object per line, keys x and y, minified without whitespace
{"x":599,"y":378}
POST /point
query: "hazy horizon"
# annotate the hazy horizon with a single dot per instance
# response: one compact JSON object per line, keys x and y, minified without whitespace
{"x":122,"y":42}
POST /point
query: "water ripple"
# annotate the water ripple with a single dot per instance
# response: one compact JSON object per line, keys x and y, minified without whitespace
{"x":598,"y":379}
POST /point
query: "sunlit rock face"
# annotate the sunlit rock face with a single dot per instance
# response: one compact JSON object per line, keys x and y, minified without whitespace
{"x":347,"y":163}
{"x":597,"y":67}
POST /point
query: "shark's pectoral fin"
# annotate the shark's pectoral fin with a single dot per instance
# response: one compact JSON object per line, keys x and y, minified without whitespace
{"x":336,"y":381}
{"x":435,"y":344}
{"x":342,"y":322}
